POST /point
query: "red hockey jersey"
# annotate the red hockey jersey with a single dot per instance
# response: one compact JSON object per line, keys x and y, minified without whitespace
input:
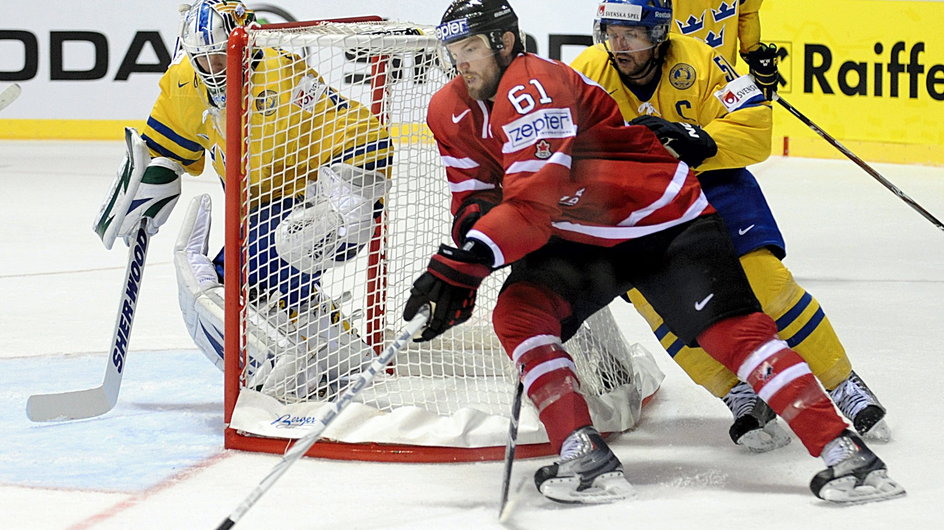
{"x":556,"y":145}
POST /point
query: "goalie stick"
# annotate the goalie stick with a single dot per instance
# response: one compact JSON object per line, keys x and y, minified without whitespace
{"x":300,"y":447}
{"x":861,"y":163}
{"x":504,"y":509}
{"x":9,"y":94}
{"x":80,"y":404}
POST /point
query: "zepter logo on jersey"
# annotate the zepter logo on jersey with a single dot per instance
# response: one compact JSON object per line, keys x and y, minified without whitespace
{"x":542,"y":124}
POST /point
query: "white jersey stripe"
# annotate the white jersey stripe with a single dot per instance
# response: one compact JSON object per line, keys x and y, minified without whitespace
{"x":470,"y":185}
{"x":671,"y":191}
{"x":496,"y":251}
{"x":758,"y":356}
{"x":532,"y":343}
{"x":632,"y":232}
{"x":783,"y":379}
{"x":486,"y":130}
{"x":533,"y":166}
{"x":459,"y":163}
{"x":545,"y":368}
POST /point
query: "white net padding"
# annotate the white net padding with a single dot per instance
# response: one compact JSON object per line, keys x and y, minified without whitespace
{"x":455,"y":391}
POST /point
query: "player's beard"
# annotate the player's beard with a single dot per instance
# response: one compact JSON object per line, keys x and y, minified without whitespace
{"x":485,"y":83}
{"x":630,"y":66}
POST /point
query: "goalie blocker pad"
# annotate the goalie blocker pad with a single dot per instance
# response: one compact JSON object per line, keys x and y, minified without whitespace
{"x":143,"y":188}
{"x":200,"y":295}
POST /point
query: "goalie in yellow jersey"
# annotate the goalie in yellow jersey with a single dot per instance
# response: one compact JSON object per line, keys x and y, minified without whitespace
{"x":317,"y":179}
{"x":719,"y":122}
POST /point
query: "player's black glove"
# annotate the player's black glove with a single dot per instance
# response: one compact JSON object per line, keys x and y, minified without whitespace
{"x":762,"y":62}
{"x":448,"y":286}
{"x":474,"y":207}
{"x":689,"y":143}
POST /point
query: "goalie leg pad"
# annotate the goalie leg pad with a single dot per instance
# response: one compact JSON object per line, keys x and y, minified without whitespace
{"x":200,"y":295}
{"x":199,"y":291}
{"x":292,"y":355}
{"x":327,"y":353}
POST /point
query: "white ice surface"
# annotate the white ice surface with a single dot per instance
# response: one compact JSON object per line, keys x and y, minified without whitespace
{"x":156,"y":461}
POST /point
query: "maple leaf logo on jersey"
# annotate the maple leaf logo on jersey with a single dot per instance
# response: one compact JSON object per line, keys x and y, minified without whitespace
{"x":543,"y":150}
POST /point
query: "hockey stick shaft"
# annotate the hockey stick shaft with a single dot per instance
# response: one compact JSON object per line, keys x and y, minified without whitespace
{"x":80,"y":404}
{"x":861,"y":163}
{"x":9,"y":94}
{"x":510,"y":447}
{"x":304,"y":443}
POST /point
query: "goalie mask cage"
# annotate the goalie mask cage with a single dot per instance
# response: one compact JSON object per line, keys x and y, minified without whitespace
{"x":445,"y":400}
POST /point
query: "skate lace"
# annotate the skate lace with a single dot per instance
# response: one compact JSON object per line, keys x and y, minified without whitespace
{"x":740,"y":399}
{"x":575,"y":446}
{"x":851,"y":396}
{"x":838,"y":450}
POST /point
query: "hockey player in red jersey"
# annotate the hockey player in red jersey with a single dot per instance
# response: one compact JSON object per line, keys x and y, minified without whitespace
{"x":667,"y":81}
{"x":546,"y":178}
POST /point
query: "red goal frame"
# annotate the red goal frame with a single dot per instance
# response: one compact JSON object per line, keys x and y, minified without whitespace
{"x":235,"y":303}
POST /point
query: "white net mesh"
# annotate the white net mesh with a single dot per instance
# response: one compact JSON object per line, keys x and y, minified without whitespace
{"x":357,"y":94}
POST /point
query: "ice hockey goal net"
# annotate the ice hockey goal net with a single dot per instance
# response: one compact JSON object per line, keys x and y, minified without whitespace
{"x":447,"y":400}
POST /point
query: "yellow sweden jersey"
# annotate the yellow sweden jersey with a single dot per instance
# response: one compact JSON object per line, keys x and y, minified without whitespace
{"x":299,"y":124}
{"x":719,"y":23}
{"x":691,"y":76}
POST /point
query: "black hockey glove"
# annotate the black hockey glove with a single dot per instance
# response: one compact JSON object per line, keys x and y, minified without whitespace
{"x":474,"y":207}
{"x":448,"y":286}
{"x":689,"y":143}
{"x":762,"y":62}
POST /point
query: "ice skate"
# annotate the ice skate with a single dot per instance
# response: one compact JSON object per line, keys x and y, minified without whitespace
{"x":855,"y":475}
{"x":587,"y":472}
{"x":755,"y":424}
{"x":859,"y":404}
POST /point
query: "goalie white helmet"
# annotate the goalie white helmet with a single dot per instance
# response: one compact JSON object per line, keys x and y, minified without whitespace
{"x":204,"y":34}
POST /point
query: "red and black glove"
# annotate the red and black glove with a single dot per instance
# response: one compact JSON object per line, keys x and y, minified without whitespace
{"x":762,"y":62}
{"x":689,"y":143}
{"x":448,"y":286}
{"x":474,"y":207}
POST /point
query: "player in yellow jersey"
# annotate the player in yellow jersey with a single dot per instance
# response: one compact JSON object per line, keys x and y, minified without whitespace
{"x":732,"y":28}
{"x":317,"y":177}
{"x":718,"y":123}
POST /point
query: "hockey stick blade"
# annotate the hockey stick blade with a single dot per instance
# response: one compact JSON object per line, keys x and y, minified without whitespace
{"x":81,"y":404}
{"x":504,"y":509}
{"x":9,"y":94}
{"x":300,"y":447}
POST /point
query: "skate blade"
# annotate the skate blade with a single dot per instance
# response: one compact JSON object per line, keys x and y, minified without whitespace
{"x":771,"y":437}
{"x":876,"y":487}
{"x":607,"y":488}
{"x":880,"y":432}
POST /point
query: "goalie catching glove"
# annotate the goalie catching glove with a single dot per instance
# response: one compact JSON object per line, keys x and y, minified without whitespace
{"x":448,"y":286}
{"x":143,"y":189}
{"x":334,"y":221}
{"x":762,"y":62}
{"x":689,"y":143}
